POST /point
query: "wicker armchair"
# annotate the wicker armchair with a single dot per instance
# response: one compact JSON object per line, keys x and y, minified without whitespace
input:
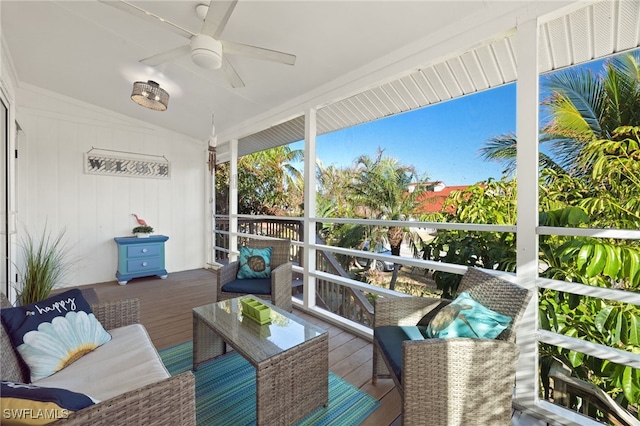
{"x":168,"y":402}
{"x":281,"y":275}
{"x":456,"y":381}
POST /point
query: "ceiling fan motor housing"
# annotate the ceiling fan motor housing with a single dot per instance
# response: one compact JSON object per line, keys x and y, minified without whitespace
{"x":206,"y":52}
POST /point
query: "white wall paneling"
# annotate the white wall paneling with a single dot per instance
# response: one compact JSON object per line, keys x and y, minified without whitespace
{"x":96,"y":208}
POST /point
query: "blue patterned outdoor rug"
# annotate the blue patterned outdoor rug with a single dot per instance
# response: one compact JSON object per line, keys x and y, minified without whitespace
{"x":226,"y":392}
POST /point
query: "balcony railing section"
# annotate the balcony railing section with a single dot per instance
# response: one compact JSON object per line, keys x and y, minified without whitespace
{"x":291,"y":229}
{"x":341,"y":300}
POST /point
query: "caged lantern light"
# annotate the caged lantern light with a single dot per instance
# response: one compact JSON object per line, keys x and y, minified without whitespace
{"x":150,"y":95}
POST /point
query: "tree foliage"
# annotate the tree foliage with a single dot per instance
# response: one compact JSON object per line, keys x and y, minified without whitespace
{"x":592,"y":179}
{"x":268,"y":183}
{"x":486,"y":202}
{"x":612,"y":324}
{"x":593,"y":261}
{"x":377,"y":187}
{"x":581,"y":107}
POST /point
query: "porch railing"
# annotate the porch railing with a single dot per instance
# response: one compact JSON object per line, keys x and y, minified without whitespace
{"x":344,"y":301}
{"x":338,"y":299}
{"x":289,"y":229}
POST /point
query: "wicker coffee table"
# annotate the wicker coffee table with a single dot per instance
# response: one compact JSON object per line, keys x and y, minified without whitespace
{"x":290,"y":356}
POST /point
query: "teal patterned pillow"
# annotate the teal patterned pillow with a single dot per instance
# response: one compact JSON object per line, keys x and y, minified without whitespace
{"x":465,"y":317}
{"x":254,"y":263}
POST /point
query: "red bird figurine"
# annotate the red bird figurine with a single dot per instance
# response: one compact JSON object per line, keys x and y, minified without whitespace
{"x":140,"y":221}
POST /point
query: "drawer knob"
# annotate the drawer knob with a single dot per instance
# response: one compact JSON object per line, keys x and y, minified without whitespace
{"x":144,"y":250}
{"x":144,"y":263}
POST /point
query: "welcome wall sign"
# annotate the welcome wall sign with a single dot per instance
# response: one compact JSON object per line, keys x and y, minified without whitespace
{"x":106,"y":164}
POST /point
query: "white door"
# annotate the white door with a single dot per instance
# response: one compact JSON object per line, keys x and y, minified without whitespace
{"x":4,"y":196}
{"x":8,"y":232}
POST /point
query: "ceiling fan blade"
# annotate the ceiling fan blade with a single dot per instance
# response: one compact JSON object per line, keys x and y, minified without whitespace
{"x":167,"y":56}
{"x":148,"y":16}
{"x":217,"y":17}
{"x":231,"y":74}
{"x":257,"y":52}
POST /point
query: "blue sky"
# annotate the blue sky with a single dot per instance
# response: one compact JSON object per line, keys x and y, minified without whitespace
{"x":441,"y":140}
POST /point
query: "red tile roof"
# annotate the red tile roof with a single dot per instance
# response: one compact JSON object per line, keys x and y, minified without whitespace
{"x":432,"y":201}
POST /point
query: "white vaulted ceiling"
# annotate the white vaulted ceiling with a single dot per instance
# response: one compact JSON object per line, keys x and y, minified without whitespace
{"x":591,"y":32}
{"x":357,"y":60}
{"x":90,"y":51}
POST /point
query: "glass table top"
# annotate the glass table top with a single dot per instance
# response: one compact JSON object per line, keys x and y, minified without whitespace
{"x":257,"y":342}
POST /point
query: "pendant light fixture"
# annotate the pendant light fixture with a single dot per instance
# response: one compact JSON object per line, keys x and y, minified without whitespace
{"x":150,"y":95}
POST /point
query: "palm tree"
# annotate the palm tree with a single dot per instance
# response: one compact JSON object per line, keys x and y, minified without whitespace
{"x":333,"y":196}
{"x":503,"y":149}
{"x":582,"y":107}
{"x":271,"y":175}
{"x":383,"y":190}
{"x":268,"y":182}
{"x":333,"y":199}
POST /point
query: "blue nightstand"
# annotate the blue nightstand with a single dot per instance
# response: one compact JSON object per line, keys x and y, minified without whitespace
{"x":140,"y":257}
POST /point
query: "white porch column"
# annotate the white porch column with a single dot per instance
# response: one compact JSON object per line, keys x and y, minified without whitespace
{"x":527,"y":123}
{"x":309,"y":259}
{"x":233,"y":199}
{"x":210,"y":210}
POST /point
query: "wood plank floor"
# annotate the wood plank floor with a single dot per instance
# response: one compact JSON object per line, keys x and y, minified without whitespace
{"x":165,"y":311}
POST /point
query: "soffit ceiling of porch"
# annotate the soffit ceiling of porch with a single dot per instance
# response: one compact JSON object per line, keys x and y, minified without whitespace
{"x":596,"y":31}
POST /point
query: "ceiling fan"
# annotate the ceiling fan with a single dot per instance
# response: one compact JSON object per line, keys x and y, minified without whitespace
{"x":206,"y":49}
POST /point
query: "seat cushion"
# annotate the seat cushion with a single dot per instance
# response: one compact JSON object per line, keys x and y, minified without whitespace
{"x":390,"y":338}
{"x":249,"y":286}
{"x":129,"y":361}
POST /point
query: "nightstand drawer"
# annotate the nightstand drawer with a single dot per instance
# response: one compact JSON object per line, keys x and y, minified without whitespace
{"x":140,"y":250}
{"x":144,"y":264}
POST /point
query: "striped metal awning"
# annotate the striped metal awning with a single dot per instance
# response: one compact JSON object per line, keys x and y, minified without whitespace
{"x":596,"y":31}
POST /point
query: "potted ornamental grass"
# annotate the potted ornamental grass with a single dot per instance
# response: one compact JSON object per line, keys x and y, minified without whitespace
{"x":45,"y":264}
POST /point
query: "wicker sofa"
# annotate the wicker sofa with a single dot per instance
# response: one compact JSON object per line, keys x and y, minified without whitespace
{"x":277,"y":288}
{"x":167,"y":401}
{"x":451,"y":381}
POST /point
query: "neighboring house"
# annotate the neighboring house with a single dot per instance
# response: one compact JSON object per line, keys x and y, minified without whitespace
{"x":432,"y":201}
